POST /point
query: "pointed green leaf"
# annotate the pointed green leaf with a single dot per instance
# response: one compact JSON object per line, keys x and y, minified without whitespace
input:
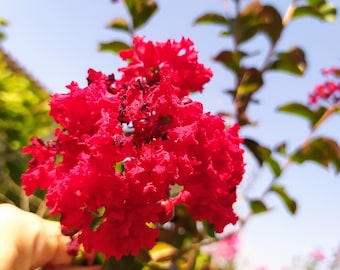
{"x":113,"y":46}
{"x":141,"y":11}
{"x":119,"y":23}
{"x":271,"y":23}
{"x":263,"y":155}
{"x":322,"y":150}
{"x":230,"y":59}
{"x":286,"y":199}
{"x":292,"y":61}
{"x":257,"y":207}
{"x":211,"y":18}
{"x":313,"y":116}
{"x":251,"y":81}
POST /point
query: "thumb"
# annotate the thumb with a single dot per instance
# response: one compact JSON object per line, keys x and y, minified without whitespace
{"x":28,"y":241}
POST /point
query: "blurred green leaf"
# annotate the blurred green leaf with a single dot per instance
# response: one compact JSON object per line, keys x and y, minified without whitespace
{"x":281,"y":148}
{"x":256,"y":18}
{"x":113,"y":46}
{"x":257,"y":207}
{"x":263,"y":155}
{"x":119,"y":23}
{"x":141,"y":11}
{"x":23,"y":114}
{"x":162,"y":252}
{"x":313,"y":116}
{"x":320,"y":9}
{"x":286,"y":199}
{"x":246,"y":25}
{"x":322,"y":150}
{"x":292,"y":61}
{"x":230,"y":59}
{"x":211,"y":18}
{"x":209,"y":228}
{"x":315,"y":2}
{"x":271,"y":23}
{"x":251,"y":80}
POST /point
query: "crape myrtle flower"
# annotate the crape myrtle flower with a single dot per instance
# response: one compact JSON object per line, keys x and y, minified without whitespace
{"x":329,"y":91}
{"x":123,"y":143}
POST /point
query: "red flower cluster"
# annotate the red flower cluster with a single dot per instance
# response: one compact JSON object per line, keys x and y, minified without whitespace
{"x":328,"y":91}
{"x":124,"y":143}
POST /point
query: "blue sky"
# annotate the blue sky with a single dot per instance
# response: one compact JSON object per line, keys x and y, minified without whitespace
{"x":57,"y":41}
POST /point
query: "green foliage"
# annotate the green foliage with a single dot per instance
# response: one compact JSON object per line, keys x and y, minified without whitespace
{"x":263,"y":155}
{"x":292,"y":61}
{"x":322,"y":150}
{"x":140,"y":11}
{"x":114,"y":46}
{"x":313,"y":116}
{"x":23,"y":112}
{"x":286,"y":199}
{"x":257,"y":207}
{"x":317,"y":8}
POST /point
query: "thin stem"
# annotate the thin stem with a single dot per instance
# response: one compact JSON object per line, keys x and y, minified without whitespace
{"x":289,"y":13}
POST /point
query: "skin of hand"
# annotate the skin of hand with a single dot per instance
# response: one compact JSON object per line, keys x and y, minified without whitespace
{"x":28,"y":241}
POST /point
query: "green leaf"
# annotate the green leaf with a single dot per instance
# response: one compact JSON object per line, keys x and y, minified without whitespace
{"x":322,"y":150}
{"x":209,"y":228}
{"x":271,"y":23}
{"x":263,"y":155}
{"x":286,"y":199}
{"x":254,"y":19}
{"x":119,"y":23}
{"x":113,"y":46}
{"x":230,"y":59}
{"x":292,"y":61}
{"x":325,"y":11}
{"x":251,"y":80}
{"x":313,"y":116}
{"x":257,"y":207}
{"x":211,"y":18}
{"x":316,"y":2}
{"x":141,"y":11}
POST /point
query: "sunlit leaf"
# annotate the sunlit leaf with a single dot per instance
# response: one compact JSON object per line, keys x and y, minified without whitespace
{"x":286,"y":199}
{"x":113,"y":46}
{"x":211,"y":18}
{"x":257,"y":207}
{"x":141,"y":11}
{"x":328,"y":12}
{"x":322,"y":150}
{"x":263,"y":155}
{"x":292,"y":61}
{"x":162,"y":252}
{"x":313,"y":116}
{"x":316,"y":2}
{"x":251,"y":80}
{"x":119,"y":23}
{"x":324,"y":11}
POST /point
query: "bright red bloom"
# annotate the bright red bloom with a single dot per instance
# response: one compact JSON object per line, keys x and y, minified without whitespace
{"x":122,"y":145}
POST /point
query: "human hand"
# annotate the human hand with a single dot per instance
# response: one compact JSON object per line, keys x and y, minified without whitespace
{"x":27,"y":242}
